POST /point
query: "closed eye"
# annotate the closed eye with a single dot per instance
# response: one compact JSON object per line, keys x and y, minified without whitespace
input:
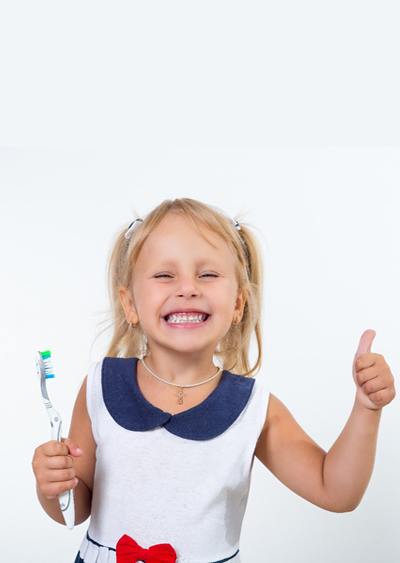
{"x":167,"y":275}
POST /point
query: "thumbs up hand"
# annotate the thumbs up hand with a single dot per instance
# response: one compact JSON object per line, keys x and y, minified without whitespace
{"x":372,"y":376}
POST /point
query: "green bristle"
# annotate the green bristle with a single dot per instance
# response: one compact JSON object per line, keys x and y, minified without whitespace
{"x":46,"y":354}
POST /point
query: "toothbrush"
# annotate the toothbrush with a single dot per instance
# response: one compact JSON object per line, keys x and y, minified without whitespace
{"x":45,"y":371}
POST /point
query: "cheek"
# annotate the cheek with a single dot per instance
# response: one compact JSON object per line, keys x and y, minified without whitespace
{"x":148,"y":301}
{"x":224,"y":302}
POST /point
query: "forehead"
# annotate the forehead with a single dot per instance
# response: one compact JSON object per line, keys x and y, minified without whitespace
{"x":176,"y":237}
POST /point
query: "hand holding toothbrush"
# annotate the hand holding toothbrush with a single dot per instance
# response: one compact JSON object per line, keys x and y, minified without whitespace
{"x":44,"y":369}
{"x":53,"y":466}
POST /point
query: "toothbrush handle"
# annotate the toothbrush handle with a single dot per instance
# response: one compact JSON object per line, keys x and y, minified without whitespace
{"x":65,"y":499}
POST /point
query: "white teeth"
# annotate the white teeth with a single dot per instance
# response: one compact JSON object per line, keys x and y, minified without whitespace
{"x":183,"y":318}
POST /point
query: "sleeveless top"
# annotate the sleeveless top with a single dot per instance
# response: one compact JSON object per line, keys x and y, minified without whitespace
{"x":180,"y":479}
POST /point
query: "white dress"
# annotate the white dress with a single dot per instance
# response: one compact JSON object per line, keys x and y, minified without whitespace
{"x":181,"y":480}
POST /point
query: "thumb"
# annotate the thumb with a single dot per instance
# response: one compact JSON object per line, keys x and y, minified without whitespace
{"x":72,"y":446}
{"x":365,"y":343}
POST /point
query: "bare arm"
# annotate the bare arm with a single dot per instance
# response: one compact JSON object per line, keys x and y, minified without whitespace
{"x":349,"y":462}
{"x":292,"y":455}
{"x":334,"y":481}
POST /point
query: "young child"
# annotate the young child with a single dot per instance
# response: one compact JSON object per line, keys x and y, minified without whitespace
{"x":168,"y":437}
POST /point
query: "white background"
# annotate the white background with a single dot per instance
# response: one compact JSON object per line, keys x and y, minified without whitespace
{"x":287,"y":112}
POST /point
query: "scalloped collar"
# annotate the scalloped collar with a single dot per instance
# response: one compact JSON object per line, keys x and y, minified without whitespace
{"x":131,"y":410}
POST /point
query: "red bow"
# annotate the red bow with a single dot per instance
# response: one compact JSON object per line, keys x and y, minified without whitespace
{"x":128,"y":551}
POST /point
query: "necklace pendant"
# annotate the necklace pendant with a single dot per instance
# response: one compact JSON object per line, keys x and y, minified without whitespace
{"x":180,"y":396}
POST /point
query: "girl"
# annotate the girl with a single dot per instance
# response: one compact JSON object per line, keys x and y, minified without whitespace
{"x":168,"y":437}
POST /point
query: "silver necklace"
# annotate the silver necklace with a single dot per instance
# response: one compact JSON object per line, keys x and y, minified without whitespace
{"x":180,"y":392}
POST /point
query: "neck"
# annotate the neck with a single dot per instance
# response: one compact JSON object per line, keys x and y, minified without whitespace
{"x":179,"y":369}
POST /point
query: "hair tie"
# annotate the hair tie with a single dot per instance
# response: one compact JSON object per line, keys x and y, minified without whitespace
{"x":131,"y":227}
{"x":236,"y":224}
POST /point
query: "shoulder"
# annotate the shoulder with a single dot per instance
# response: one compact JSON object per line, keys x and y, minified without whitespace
{"x":282,"y":436}
{"x":278,"y":415}
{"x":279,"y":425}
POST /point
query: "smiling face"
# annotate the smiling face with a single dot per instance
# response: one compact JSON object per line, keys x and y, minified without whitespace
{"x":178,"y":269}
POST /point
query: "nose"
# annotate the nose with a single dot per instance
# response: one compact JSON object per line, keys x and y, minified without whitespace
{"x":187,"y":288}
{"x":187,"y":292}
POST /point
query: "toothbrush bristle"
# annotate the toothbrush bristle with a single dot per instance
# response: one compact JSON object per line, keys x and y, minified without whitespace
{"x":48,"y":367}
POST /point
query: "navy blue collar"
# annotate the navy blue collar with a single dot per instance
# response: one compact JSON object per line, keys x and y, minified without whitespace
{"x":130,"y":409}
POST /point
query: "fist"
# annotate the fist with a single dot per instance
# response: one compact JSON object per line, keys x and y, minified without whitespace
{"x":53,"y":466}
{"x":372,"y":376}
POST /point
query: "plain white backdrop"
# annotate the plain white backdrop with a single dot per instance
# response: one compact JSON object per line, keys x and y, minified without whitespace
{"x":287,"y":113}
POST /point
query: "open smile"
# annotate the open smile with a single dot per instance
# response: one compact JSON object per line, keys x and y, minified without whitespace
{"x":186,"y":324}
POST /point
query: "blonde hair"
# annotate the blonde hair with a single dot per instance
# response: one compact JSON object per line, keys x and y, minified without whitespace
{"x":233,"y":348}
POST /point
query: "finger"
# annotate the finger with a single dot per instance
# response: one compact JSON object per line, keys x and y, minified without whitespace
{"x":56,"y":475}
{"x":55,"y":448}
{"x":374,"y":385}
{"x":366,"y":361}
{"x":366,"y":374}
{"x":379,"y":397}
{"x":53,"y":490}
{"x":73,"y":447}
{"x":60,"y":462}
{"x":365,"y":343}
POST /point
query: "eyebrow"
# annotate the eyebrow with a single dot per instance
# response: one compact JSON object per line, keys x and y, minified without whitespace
{"x":199,"y":262}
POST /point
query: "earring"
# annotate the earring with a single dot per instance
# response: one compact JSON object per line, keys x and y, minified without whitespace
{"x":143,"y":347}
{"x":143,"y":351}
{"x":132,"y":325}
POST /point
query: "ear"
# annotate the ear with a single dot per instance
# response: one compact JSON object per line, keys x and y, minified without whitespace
{"x":240,"y":303}
{"x":128,"y":306}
